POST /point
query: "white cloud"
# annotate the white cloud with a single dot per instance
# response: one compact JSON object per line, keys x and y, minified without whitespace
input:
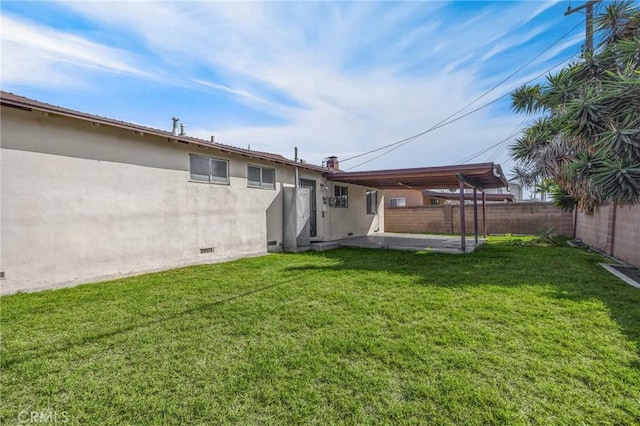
{"x":343,"y":77}
{"x":36,"y":54}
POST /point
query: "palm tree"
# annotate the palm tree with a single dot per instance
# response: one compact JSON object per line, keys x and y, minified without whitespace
{"x":543,"y":188}
{"x":587,"y":139}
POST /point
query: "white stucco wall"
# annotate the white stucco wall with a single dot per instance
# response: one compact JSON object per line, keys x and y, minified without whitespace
{"x":354,"y":220}
{"x":82,"y":203}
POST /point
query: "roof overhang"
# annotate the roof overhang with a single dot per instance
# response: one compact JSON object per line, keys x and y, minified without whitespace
{"x":20,"y":102}
{"x":481,"y":176}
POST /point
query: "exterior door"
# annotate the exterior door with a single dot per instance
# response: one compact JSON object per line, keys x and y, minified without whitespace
{"x":309,"y":183}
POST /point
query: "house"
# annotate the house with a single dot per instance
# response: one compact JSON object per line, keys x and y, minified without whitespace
{"x":515,"y":188}
{"x":87,"y":198}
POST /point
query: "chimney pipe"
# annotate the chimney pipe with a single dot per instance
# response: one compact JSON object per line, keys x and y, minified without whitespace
{"x":213,"y":139}
{"x":182,"y":131}
{"x":175,"y":125}
{"x":332,"y":162}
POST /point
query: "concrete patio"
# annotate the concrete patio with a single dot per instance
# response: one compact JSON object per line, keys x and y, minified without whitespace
{"x":412,"y":242}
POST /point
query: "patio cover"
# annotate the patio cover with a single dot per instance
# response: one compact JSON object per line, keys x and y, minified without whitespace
{"x":467,"y":196}
{"x":479,"y":176}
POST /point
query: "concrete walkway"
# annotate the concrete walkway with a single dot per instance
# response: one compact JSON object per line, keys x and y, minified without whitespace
{"x":412,"y":242}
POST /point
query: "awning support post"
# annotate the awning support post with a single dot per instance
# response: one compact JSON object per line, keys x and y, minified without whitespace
{"x":463,"y":240}
{"x":475,"y":215}
{"x":484,"y":214}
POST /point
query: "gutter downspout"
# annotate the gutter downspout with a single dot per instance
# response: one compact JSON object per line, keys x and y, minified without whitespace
{"x":297,"y":174}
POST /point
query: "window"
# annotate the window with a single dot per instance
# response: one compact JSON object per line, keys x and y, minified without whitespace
{"x":341,"y":195}
{"x":208,"y":169}
{"x":397,"y":202}
{"x":372,"y":202}
{"x":261,"y":177}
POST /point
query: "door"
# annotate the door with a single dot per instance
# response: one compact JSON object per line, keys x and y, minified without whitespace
{"x":309,"y":183}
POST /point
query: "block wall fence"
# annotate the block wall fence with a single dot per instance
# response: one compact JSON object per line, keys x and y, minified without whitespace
{"x":613,"y":230}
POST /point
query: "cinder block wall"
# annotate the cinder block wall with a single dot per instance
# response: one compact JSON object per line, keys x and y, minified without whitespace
{"x":594,"y":230}
{"x":502,"y":218}
{"x":415,"y":219}
{"x":627,"y":234}
{"x":616,"y":233}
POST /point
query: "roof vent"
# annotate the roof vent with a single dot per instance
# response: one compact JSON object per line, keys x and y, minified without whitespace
{"x":175,"y":125}
{"x":182,"y":130}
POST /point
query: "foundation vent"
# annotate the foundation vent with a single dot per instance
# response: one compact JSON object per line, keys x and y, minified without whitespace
{"x":206,"y":250}
{"x":272,"y":243}
{"x":2,"y":275}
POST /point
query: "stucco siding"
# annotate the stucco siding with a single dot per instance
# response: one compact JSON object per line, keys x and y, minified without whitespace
{"x":353,"y":220}
{"x":99,"y":219}
{"x":83,"y":203}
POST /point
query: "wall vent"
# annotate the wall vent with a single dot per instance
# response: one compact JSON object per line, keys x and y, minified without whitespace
{"x":206,"y":250}
{"x":272,"y":243}
{"x":1,"y":275}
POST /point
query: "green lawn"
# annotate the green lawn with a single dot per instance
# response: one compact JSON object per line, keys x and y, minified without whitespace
{"x":506,"y":335}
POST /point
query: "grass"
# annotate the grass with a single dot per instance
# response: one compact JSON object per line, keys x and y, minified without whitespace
{"x":506,"y":335}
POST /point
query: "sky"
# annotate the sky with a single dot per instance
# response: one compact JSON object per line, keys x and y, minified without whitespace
{"x":332,"y":78}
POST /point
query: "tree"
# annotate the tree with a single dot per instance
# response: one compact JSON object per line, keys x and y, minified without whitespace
{"x":587,"y":136}
{"x":543,"y":188}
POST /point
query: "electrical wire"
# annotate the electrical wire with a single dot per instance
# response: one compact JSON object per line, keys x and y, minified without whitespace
{"x":405,"y":141}
{"x":449,"y":119}
{"x":468,"y":158}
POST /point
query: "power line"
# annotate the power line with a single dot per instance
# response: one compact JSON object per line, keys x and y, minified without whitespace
{"x":449,"y":119}
{"x":495,"y":145}
{"x":403,"y":142}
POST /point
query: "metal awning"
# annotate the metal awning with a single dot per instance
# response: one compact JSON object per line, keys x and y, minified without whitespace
{"x":481,"y":176}
{"x":467,"y":196}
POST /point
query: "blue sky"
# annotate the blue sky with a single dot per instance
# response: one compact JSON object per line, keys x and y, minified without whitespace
{"x":333,"y":78}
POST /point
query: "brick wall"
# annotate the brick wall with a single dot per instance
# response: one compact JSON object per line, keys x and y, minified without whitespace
{"x":620,"y":239}
{"x":616,"y":231}
{"x":415,"y":219}
{"x":502,"y":218}
{"x":594,"y":230}
{"x":627,"y":234}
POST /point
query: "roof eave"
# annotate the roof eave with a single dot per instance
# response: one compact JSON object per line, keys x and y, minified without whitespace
{"x":142,"y":130}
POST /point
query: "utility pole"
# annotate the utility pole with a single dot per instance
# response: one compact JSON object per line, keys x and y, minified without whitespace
{"x":588,"y":43}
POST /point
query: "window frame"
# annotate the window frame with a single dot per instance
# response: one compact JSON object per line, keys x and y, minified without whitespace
{"x":261,"y":184}
{"x":212,"y":179}
{"x":341,"y":196}
{"x":371,"y":201}
{"x":396,"y":199}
